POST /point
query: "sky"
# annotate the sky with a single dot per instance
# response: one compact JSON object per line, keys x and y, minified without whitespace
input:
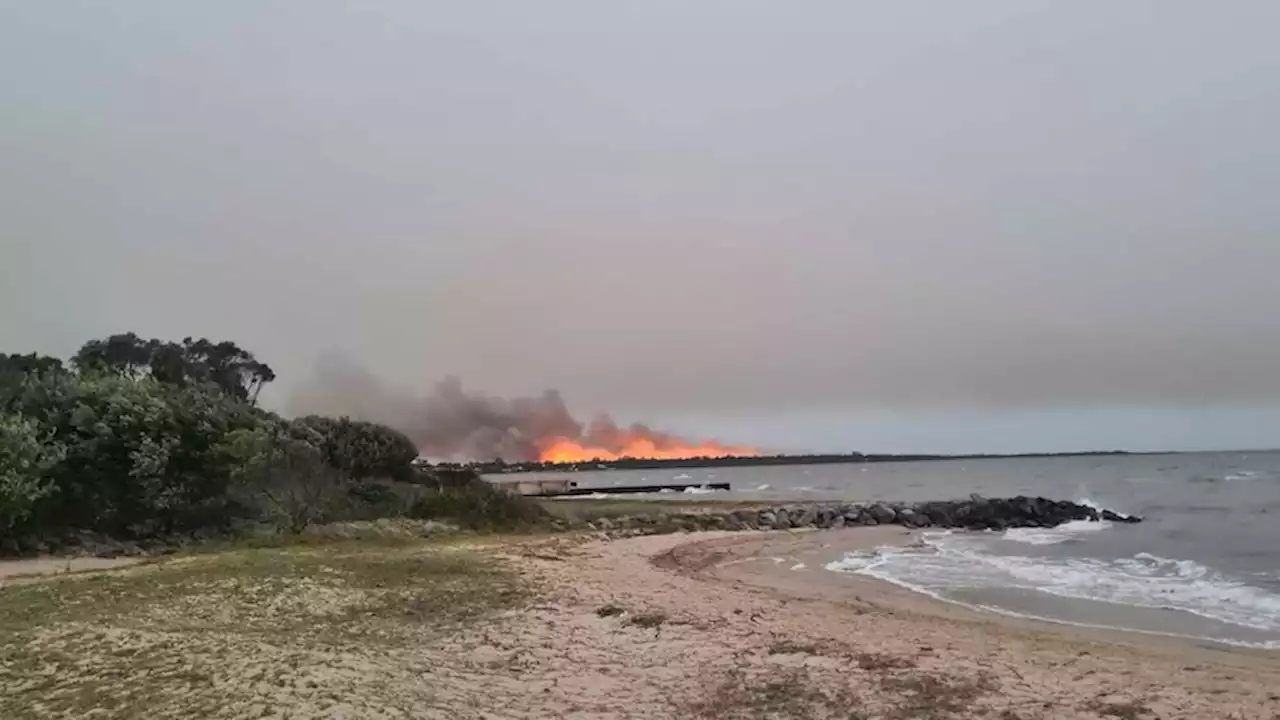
{"x":996,"y":225}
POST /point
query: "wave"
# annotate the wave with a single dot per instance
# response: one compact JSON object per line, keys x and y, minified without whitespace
{"x":701,"y":490}
{"x":683,"y":476}
{"x":947,"y":562}
{"x":1231,"y":476}
{"x":1066,"y":532}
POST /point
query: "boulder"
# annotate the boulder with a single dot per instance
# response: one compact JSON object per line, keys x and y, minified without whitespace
{"x":882,"y":514}
{"x":805,"y":517}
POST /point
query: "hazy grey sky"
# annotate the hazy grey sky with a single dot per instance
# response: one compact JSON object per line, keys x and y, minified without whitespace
{"x":860,"y":216}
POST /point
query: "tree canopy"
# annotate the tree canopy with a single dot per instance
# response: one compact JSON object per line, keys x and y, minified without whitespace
{"x":225,"y":365}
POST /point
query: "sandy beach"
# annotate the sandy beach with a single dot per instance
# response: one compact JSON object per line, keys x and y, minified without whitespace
{"x":753,"y":626}
{"x":701,"y":625}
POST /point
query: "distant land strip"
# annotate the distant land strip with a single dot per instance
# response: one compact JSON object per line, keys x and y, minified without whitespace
{"x":498,"y":466}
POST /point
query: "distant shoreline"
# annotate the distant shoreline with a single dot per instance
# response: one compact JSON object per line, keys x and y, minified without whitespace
{"x":496,"y":467}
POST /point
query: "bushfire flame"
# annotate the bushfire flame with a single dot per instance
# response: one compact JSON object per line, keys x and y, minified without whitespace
{"x":565,"y":450}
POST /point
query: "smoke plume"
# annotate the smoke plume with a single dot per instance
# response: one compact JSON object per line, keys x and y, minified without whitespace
{"x":451,"y":423}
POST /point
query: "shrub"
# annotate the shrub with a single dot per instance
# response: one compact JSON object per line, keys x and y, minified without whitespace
{"x":25,"y":461}
{"x":362,"y":449}
{"x":135,"y":457}
{"x":479,"y":505}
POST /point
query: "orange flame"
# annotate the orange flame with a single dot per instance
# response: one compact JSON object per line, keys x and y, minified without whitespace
{"x":564,"y":450}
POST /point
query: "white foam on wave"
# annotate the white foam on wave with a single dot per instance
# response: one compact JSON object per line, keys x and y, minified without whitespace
{"x":682,"y":476}
{"x":762,"y":486}
{"x":1087,"y":502}
{"x":944,"y":563}
{"x":701,"y":490}
{"x":1065,"y":532}
{"x":1242,"y":475}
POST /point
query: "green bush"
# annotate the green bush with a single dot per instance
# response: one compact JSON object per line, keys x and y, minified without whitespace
{"x":479,"y":505}
{"x":25,"y":461}
{"x":137,"y":457}
{"x":362,"y":449}
{"x":141,"y":438}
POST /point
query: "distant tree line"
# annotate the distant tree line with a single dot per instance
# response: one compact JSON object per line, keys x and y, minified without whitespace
{"x":145,"y":438}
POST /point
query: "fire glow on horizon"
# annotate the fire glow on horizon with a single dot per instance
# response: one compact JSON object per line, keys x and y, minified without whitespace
{"x":638,"y":447}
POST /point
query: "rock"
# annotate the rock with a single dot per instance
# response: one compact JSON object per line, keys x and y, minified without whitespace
{"x":823,"y":520}
{"x":806,"y":518}
{"x":747,"y":518}
{"x":882,"y":514}
{"x":939,"y":513}
{"x":768,"y":518}
{"x":911,"y":518}
{"x":836,"y":522}
{"x":782,"y":521}
{"x":604,"y":524}
{"x":1117,"y":517}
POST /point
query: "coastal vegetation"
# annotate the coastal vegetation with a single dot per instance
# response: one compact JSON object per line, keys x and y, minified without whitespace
{"x":148,"y":440}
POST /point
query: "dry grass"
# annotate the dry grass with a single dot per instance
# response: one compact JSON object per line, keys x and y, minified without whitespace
{"x":925,"y":696}
{"x":312,"y":630}
{"x":793,"y":647}
{"x":1128,"y":710}
{"x":609,"y":610}
{"x":649,"y":621}
{"x":880,"y":662}
{"x":787,"y":695}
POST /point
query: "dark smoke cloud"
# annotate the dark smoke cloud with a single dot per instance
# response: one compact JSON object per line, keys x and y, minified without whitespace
{"x":451,"y":423}
{"x":447,"y":422}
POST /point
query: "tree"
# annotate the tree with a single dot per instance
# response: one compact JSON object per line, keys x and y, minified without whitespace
{"x":279,"y":467}
{"x":15,"y":369}
{"x":363,"y":449}
{"x":126,"y":354}
{"x":26,"y":457}
{"x":141,"y":457}
{"x":225,"y":365}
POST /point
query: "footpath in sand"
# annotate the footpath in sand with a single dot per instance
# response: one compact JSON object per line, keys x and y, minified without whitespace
{"x":708,"y":625}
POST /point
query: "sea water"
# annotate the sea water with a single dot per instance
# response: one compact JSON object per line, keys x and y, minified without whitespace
{"x":1205,"y":563}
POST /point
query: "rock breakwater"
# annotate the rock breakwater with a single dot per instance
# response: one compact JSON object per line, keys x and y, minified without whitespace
{"x":974,"y":513}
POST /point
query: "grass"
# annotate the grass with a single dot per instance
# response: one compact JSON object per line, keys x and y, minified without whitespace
{"x":609,"y":610}
{"x":649,"y":621}
{"x":789,"y":695}
{"x":306,"y":627}
{"x":1128,"y":710}
{"x":880,"y":662}
{"x":791,"y":647}
{"x":926,"y":696}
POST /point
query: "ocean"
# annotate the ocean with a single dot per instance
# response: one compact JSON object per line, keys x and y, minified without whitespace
{"x":1204,"y":564}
